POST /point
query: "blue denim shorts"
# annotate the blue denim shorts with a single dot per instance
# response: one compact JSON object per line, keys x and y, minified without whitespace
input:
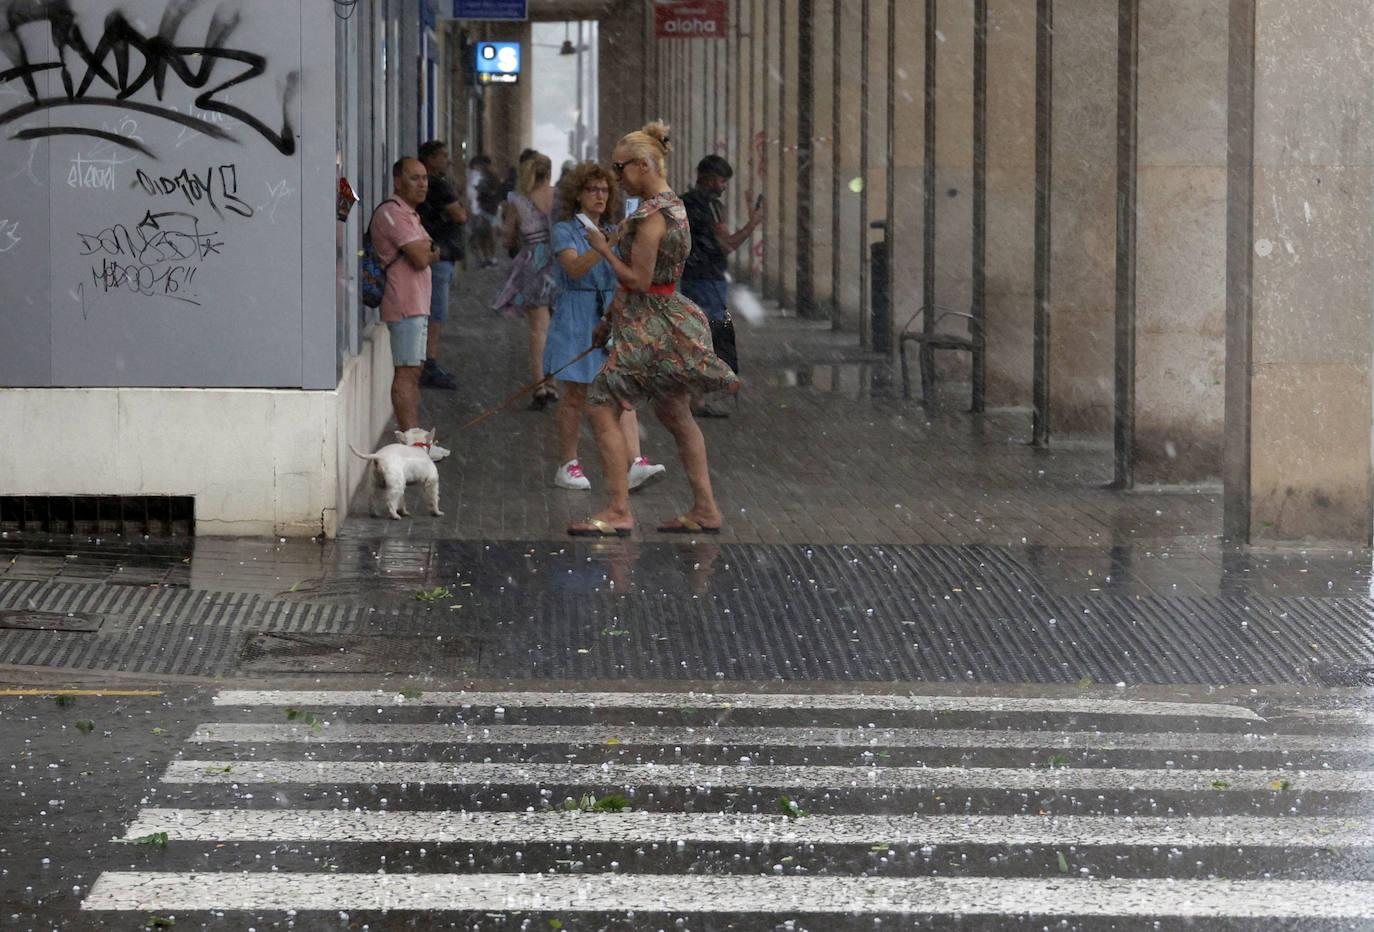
{"x":408,"y":340}
{"x":440,"y":283}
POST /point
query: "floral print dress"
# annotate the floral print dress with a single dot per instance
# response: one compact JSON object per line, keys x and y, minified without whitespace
{"x":660,"y":343}
{"x":531,"y":279}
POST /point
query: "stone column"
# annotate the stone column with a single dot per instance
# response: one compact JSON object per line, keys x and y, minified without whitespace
{"x":1083,"y":198}
{"x":1011,"y":200}
{"x":1313,"y":275}
{"x":1180,"y":241}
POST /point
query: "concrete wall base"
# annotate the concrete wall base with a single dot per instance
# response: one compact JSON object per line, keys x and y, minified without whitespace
{"x":257,"y":461}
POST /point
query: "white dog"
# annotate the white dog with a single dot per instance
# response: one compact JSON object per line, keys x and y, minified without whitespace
{"x":399,"y":464}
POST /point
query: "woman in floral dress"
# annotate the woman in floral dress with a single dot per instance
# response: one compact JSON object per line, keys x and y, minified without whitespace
{"x":529,"y":288}
{"x":660,"y":342}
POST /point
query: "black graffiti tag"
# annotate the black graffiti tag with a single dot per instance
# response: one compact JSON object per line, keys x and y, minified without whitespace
{"x":159,"y":257}
{"x":217,"y":184}
{"x":101,"y":75}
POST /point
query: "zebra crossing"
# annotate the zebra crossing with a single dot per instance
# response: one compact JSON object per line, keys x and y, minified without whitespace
{"x":751,"y":810}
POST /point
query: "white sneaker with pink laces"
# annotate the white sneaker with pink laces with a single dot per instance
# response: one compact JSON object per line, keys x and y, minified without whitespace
{"x":643,"y":472}
{"x":569,"y":476}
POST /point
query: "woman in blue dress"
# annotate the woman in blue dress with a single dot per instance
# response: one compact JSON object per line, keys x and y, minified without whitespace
{"x":585,"y":283}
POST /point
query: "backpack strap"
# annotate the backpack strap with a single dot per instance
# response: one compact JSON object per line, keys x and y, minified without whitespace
{"x":368,"y":233}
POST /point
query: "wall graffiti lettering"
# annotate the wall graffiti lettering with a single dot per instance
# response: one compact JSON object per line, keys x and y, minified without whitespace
{"x":218,"y":184}
{"x":9,"y":234}
{"x":91,"y":173}
{"x":26,"y":170}
{"x":95,"y":168}
{"x":102,"y":75}
{"x":158,"y":257}
{"x":276,"y":193}
{"x":186,"y":134}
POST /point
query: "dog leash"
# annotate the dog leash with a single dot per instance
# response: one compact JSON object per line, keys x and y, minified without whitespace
{"x":528,"y":388}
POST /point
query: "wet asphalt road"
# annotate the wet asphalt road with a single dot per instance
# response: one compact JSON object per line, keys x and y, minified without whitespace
{"x":410,"y":805}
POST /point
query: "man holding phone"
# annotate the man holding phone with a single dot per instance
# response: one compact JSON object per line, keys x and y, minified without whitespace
{"x":703,"y":275}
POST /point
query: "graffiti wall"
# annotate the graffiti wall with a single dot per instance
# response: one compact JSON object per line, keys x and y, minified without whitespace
{"x":153,"y":160}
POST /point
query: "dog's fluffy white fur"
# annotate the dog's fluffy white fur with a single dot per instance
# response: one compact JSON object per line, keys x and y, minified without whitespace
{"x":397,"y":465}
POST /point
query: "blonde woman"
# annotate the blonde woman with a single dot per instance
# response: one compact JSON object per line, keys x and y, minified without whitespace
{"x":660,"y":347}
{"x":529,"y":288}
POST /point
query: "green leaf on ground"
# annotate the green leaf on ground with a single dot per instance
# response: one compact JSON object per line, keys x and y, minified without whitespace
{"x":306,"y":717}
{"x":84,"y":725}
{"x":156,"y":838}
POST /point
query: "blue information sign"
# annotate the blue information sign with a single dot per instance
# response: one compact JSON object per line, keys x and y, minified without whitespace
{"x":517,"y":10}
{"x":498,"y":62}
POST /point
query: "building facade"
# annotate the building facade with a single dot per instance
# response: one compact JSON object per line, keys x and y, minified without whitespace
{"x":1160,"y":217}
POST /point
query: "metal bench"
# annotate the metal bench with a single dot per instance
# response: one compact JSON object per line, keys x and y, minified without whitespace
{"x":929,"y":339}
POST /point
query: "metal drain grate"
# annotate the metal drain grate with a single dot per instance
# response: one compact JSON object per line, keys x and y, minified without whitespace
{"x":1344,"y":674}
{"x":352,"y":653}
{"x":126,"y":515}
{"x":28,"y":620}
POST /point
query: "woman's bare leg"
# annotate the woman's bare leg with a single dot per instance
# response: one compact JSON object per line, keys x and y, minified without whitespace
{"x":569,"y":419}
{"x":610,"y":444}
{"x":629,"y":426}
{"x":538,"y":318}
{"x":675,"y":414}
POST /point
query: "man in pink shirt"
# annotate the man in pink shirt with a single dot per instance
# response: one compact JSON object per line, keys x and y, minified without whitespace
{"x":407,"y":252}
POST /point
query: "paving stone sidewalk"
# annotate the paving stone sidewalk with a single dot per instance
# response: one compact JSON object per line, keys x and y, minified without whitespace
{"x":820,"y":448}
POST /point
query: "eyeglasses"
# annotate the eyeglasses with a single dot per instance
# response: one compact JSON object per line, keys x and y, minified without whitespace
{"x":601,"y":189}
{"x":619,"y":167}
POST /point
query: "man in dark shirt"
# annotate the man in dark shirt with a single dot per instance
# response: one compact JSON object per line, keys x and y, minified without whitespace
{"x":703,"y":275}
{"x":443,"y":216}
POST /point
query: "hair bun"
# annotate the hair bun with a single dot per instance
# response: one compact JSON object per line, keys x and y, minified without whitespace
{"x":658,"y":131}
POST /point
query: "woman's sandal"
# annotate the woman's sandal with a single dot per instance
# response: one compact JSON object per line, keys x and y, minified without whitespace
{"x":685,"y":525}
{"x":595,"y":527}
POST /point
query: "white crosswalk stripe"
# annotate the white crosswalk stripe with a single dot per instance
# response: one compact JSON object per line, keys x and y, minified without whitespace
{"x":709,"y":828}
{"x":454,"y":809}
{"x":708,"y":776}
{"x":740,"y":701}
{"x":727,"y":735}
{"x":621,"y":894}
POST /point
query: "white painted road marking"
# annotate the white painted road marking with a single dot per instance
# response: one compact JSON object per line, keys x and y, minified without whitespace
{"x":229,"y":770}
{"x":801,"y":777}
{"x":738,"y":701}
{"x":619,"y":894}
{"x":295,"y":825}
{"x":344,"y":732}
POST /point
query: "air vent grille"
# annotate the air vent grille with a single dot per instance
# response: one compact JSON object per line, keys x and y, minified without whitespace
{"x":124,"y":515}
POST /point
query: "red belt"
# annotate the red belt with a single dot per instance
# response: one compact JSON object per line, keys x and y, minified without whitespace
{"x":655,"y":289}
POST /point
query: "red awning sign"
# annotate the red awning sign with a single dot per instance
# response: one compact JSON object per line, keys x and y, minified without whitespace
{"x":699,"y":19}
